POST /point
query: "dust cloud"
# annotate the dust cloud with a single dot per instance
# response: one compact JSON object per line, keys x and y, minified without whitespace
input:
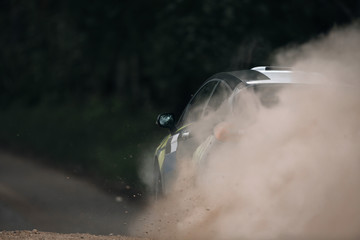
{"x":293,"y":169}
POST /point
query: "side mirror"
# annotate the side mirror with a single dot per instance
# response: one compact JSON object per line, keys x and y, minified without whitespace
{"x":166,"y":120}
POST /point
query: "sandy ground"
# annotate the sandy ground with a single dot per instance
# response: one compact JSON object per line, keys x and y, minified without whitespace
{"x":36,"y":235}
{"x":35,"y":197}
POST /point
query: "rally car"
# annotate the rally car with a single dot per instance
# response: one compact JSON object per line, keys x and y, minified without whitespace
{"x":222,"y":90}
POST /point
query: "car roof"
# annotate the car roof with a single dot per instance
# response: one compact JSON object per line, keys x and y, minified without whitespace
{"x":267,"y":75}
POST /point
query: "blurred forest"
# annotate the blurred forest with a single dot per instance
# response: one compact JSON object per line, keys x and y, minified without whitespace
{"x":81,"y":82}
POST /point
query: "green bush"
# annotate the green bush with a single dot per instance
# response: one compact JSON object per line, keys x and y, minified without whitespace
{"x":93,"y":138}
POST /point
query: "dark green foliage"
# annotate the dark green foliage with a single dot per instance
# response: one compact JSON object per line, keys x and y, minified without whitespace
{"x":98,"y":138}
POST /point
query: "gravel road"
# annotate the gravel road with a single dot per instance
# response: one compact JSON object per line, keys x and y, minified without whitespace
{"x":37,"y":235}
{"x":35,"y":197}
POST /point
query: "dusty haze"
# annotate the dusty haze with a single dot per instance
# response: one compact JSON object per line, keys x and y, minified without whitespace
{"x":294,"y":173}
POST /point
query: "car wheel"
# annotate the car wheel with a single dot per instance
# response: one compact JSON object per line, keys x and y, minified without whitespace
{"x":158,"y":188}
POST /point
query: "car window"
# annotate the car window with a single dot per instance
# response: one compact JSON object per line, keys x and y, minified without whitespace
{"x":221,"y":93}
{"x":247,"y":101}
{"x":268,"y":94}
{"x":195,"y":108}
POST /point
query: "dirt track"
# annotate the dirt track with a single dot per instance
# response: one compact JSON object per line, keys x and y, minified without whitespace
{"x":36,"y":197}
{"x":36,"y":235}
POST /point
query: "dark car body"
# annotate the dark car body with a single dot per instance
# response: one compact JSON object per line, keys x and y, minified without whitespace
{"x":219,"y":89}
{"x":208,"y":98}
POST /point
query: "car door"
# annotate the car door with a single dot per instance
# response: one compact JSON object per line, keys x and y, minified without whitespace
{"x":193,"y":112}
{"x":181,"y":145}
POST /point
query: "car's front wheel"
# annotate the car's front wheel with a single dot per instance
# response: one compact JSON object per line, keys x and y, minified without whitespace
{"x":158,"y":188}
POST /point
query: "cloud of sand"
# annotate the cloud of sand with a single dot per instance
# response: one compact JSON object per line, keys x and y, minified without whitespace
{"x":293,"y":173}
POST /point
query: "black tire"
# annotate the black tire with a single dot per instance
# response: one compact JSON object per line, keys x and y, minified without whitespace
{"x":158,"y":188}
